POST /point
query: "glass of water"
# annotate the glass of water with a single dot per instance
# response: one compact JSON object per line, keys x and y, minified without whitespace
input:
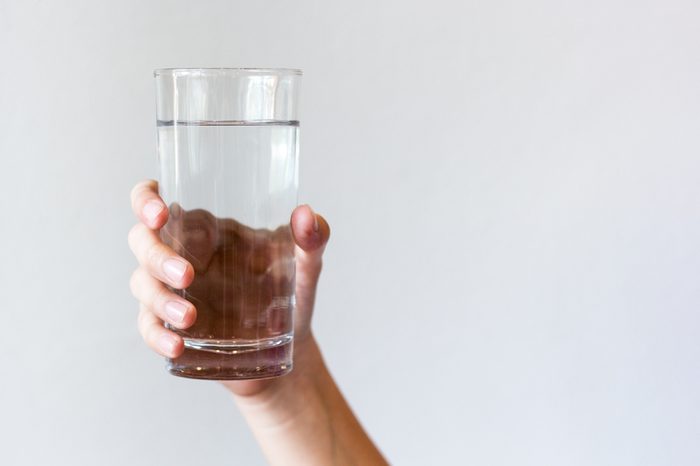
{"x":228,"y":142}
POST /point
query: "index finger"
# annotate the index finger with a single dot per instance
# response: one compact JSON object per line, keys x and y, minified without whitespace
{"x":148,"y":205}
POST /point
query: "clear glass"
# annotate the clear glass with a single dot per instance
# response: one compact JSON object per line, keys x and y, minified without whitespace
{"x":228,"y":142}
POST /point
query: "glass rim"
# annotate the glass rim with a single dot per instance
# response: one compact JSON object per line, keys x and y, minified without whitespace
{"x":224,"y":70}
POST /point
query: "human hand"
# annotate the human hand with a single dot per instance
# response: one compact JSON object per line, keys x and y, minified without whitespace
{"x":162,"y":267}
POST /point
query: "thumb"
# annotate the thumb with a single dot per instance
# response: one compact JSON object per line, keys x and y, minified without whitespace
{"x":311,"y":233}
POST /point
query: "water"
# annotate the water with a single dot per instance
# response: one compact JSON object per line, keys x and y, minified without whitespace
{"x":231,"y":187}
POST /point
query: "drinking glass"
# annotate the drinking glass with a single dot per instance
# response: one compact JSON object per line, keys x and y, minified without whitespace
{"x":228,"y":142}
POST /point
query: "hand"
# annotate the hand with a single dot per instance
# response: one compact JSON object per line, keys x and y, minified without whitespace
{"x":298,"y":419}
{"x":161,"y":267}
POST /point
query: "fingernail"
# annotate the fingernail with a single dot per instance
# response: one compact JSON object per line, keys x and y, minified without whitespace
{"x":175,"y":311}
{"x":167,"y":343}
{"x":314,"y":216}
{"x":152,"y":209}
{"x":174,"y":269}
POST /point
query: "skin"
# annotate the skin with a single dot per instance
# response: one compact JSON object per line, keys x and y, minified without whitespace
{"x":299,"y":419}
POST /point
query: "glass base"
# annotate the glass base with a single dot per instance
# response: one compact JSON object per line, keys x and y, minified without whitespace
{"x":234,"y":359}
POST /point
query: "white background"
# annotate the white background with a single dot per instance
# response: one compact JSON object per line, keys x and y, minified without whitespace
{"x":513,"y":191}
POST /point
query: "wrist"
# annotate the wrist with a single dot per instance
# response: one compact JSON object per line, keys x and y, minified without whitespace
{"x":276,"y":394}
{"x":303,"y":419}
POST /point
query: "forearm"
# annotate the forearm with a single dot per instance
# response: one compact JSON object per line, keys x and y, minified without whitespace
{"x":304,"y":419}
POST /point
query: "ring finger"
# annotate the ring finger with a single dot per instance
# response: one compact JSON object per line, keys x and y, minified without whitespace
{"x":165,"y":304}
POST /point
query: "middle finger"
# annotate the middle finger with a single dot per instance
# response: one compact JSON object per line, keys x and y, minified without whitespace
{"x":160,"y":260}
{"x":165,"y":304}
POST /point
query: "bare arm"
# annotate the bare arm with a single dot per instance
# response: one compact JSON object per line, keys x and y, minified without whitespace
{"x":306,"y":420}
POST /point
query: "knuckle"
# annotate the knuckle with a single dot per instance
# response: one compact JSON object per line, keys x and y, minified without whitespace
{"x":140,"y":319}
{"x":159,"y":296}
{"x":134,"y":235}
{"x":143,"y":186}
{"x":135,"y":191}
{"x":155,"y":255}
{"x":147,"y":325}
{"x":133,"y":281}
{"x":153,"y":330}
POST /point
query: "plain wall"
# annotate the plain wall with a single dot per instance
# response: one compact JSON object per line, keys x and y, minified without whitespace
{"x":513,"y":190}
